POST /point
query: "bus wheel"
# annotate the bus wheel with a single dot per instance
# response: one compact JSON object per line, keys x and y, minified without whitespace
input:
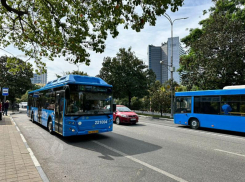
{"x":194,"y":124}
{"x":50,"y":127}
{"x":118,"y":121}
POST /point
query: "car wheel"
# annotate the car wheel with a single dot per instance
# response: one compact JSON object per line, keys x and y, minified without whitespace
{"x":50,"y":127}
{"x":118,"y":122}
{"x":194,"y":124}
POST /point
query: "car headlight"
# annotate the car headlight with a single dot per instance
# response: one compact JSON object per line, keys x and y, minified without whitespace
{"x":123,"y":115}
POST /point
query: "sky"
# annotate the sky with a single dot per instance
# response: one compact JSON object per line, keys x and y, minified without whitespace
{"x":138,"y":41}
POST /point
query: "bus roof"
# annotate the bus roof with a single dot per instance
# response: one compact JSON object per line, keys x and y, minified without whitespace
{"x":234,"y":87}
{"x":74,"y":79}
{"x":212,"y":92}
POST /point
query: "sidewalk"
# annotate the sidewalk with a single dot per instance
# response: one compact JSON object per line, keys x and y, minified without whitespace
{"x":15,"y":161}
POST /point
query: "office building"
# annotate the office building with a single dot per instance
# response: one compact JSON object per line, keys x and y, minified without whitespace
{"x":39,"y":79}
{"x":159,"y":59}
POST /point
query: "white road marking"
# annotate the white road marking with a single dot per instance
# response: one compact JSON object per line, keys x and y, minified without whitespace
{"x":23,"y":138}
{"x":34,"y":159}
{"x":241,"y":155}
{"x":17,"y":128}
{"x":142,"y":163}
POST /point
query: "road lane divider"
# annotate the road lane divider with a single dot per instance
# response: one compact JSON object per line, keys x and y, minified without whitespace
{"x":141,"y":162}
{"x":241,"y":155}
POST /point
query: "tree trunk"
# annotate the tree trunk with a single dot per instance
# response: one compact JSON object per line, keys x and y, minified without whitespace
{"x":129,"y":99}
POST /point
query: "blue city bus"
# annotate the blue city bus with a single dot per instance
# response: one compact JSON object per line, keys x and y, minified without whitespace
{"x":208,"y":109}
{"x":73,"y":105}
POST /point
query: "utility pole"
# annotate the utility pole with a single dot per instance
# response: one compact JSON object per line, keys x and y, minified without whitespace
{"x":171,"y":64}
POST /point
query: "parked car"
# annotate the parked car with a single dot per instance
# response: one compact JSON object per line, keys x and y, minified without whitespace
{"x":23,"y":105}
{"x":124,"y":115}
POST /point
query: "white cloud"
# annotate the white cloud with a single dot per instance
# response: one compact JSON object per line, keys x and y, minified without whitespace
{"x":138,"y":41}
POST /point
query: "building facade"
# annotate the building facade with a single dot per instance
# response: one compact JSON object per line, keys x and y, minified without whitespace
{"x":159,"y":59}
{"x":39,"y":79}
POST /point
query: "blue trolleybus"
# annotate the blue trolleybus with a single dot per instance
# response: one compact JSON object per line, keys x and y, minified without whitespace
{"x":73,"y":105}
{"x":219,"y":109}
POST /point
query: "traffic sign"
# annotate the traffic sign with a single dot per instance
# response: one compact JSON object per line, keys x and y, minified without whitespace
{"x":5,"y":91}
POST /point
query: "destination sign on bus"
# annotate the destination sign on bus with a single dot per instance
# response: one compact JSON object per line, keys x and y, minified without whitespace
{"x":93,"y":88}
{"x":90,"y":88}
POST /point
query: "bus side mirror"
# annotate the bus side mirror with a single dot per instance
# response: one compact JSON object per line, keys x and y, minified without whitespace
{"x":67,"y":92}
{"x":114,"y":107}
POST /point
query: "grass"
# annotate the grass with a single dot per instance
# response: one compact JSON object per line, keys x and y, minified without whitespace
{"x":154,"y":116}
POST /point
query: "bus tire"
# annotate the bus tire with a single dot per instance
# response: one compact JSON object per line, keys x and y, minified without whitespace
{"x":50,"y":127}
{"x":118,"y":122}
{"x":194,"y":123}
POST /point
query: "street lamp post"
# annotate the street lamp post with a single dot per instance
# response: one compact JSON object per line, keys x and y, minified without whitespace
{"x":171,"y":65}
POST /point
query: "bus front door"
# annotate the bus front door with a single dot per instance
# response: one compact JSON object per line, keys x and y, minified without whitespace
{"x":59,"y":105}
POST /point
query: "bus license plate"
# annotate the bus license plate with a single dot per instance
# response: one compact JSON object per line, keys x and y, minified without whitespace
{"x":95,"y":131}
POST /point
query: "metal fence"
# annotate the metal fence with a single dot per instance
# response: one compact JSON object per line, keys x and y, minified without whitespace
{"x":152,"y":113}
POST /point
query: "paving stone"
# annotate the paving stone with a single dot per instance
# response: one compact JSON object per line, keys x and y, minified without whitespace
{"x":23,"y":177}
{"x":15,"y":161}
{"x":11,"y":176}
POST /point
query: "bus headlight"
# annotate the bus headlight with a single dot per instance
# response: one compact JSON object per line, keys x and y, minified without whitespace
{"x":79,"y":123}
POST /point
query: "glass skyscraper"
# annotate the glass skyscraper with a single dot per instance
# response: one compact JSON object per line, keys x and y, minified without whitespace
{"x":163,"y":53}
{"x":39,"y":79}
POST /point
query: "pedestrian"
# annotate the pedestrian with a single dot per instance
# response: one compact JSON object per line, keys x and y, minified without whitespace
{"x":0,"y":110}
{"x":226,"y":108}
{"x":6,"y":107}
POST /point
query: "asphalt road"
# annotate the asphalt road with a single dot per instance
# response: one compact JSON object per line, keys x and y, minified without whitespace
{"x":153,"y":150}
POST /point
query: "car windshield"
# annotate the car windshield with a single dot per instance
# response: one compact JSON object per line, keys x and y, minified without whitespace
{"x":123,"y":109}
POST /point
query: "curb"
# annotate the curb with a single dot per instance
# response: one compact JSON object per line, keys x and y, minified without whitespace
{"x":155,"y":117}
{"x":34,"y":159}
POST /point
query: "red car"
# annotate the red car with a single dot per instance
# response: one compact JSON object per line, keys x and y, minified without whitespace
{"x":124,"y":115}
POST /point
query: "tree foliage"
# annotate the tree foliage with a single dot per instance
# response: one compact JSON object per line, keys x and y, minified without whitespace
{"x":136,"y":103}
{"x":54,"y":28}
{"x":217,"y":50}
{"x":17,"y":82}
{"x":129,"y":76}
{"x":161,"y":100}
{"x":24,"y":97}
{"x":74,"y":72}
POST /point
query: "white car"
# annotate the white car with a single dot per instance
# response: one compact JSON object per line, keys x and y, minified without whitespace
{"x":23,"y":104}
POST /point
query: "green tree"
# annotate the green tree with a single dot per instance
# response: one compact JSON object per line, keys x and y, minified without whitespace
{"x":128,"y":75}
{"x":122,"y":101}
{"x":55,"y":28}
{"x":136,"y":103}
{"x":24,"y":97}
{"x":167,"y":85}
{"x":154,"y":87}
{"x":161,"y":100}
{"x":145,"y":103}
{"x":74,"y":72}
{"x":17,"y":82}
{"x":217,"y":50}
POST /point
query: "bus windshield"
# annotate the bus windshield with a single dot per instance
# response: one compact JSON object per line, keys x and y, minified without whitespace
{"x":92,"y":101}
